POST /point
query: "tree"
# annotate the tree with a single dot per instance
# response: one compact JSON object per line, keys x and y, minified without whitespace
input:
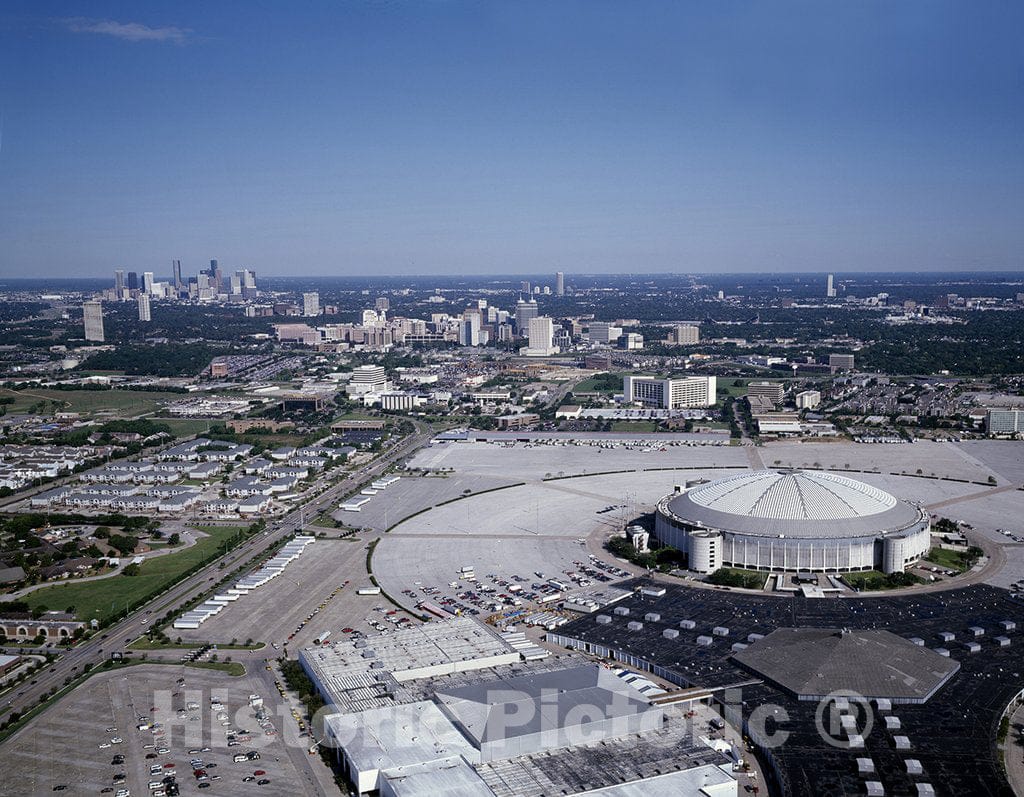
{"x":131,"y":570}
{"x":174,"y":539}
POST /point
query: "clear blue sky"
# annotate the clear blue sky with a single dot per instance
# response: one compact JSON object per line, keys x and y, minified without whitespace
{"x":441,"y":136}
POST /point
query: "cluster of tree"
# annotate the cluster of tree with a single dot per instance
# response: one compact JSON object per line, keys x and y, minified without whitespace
{"x":729,"y":417}
{"x":725,"y":577}
{"x":664,"y":559}
{"x":887,"y":581}
{"x":605,"y":383}
{"x":170,"y":359}
{"x":296,"y":679}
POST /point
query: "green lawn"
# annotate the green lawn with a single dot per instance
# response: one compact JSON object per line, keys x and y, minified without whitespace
{"x":126,"y":403}
{"x":634,"y":426}
{"x":943,"y":557}
{"x":857,"y":580}
{"x":727,"y":388}
{"x":102,"y":598}
{"x":600,"y":383}
{"x":188,"y":427}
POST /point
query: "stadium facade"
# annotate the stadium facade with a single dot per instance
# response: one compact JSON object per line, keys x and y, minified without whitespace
{"x":792,"y":521}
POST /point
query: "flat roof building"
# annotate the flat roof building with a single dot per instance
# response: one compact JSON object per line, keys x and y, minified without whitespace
{"x":670,"y":394}
{"x":535,"y":712}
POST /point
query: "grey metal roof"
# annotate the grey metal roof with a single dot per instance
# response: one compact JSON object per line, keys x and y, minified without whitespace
{"x":812,"y":662}
{"x":810,"y":504}
{"x":533,"y":703}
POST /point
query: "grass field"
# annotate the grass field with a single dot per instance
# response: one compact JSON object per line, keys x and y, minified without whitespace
{"x":593,"y":384}
{"x":727,"y":388}
{"x":125,"y":403}
{"x":634,"y":426}
{"x":943,"y":557}
{"x":187,"y":427}
{"x":104,"y":597}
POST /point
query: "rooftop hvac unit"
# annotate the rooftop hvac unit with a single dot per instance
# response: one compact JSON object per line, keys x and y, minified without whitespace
{"x":689,"y":625}
{"x":622,"y":611}
{"x":603,"y":619}
{"x":633,"y":625}
{"x":670,"y":633}
{"x":652,"y":617}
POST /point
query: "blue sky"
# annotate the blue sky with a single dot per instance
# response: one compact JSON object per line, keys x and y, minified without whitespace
{"x":439,"y":136}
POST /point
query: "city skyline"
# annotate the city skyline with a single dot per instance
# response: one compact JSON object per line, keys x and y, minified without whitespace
{"x":457,"y":138}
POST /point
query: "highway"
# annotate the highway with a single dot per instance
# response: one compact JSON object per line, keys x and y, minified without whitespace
{"x":117,"y":637}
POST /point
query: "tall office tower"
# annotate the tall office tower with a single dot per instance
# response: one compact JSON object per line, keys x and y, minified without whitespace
{"x":542,"y":331}
{"x":469,"y":330}
{"x":686,"y":334}
{"x":382,"y":303}
{"x":133,"y":281}
{"x":218,"y":277}
{"x":236,"y":284}
{"x":525,"y":310}
{"x":119,"y":282}
{"x":311,"y":303}
{"x":559,"y":283}
{"x":249,"y":279}
{"x":524,"y":286}
{"x":214,"y":276}
{"x":176,"y":268}
{"x":92,"y":317}
{"x":492,"y":314}
{"x":147,"y":281}
{"x":830,"y":291}
{"x":144,"y":307}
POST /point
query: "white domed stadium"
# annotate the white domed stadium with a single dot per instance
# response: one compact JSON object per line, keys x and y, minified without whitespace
{"x":792,"y":521}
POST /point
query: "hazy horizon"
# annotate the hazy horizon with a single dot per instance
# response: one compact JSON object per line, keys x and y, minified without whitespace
{"x":465,"y":138}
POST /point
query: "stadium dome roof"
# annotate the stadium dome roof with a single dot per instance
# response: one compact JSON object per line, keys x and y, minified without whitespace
{"x":793,"y":503}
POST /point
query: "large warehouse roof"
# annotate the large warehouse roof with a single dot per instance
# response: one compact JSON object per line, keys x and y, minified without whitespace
{"x":813,"y":662}
{"x":793,"y":503}
{"x":530,"y":704}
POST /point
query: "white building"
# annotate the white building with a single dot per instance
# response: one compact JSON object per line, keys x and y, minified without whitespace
{"x":541,"y":339}
{"x":808,"y":399}
{"x":144,"y":314}
{"x":792,"y":521}
{"x":147,"y":281}
{"x":311,"y":304}
{"x":670,"y":394}
{"x":685,"y":335}
{"x":830,"y":289}
{"x":1004,"y":421}
{"x":92,"y":317}
{"x":368,"y":379}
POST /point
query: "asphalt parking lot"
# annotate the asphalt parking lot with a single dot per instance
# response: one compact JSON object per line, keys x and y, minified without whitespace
{"x":411,"y":494}
{"x":307,"y":586}
{"x":73,"y":745}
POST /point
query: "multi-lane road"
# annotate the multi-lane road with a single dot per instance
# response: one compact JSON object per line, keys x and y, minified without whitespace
{"x":117,"y":637}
